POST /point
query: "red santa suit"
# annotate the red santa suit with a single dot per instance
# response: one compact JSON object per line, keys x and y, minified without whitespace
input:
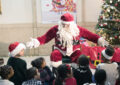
{"x":61,"y":48}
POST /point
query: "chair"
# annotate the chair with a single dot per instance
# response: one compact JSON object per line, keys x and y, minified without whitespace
{"x":1,"y":61}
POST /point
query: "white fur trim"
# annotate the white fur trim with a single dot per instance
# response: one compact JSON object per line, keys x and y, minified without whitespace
{"x":64,"y":52}
{"x":56,"y":64}
{"x":102,"y":42}
{"x":17,"y":49}
{"x":34,"y":43}
{"x":106,"y":56}
{"x":65,"y":22}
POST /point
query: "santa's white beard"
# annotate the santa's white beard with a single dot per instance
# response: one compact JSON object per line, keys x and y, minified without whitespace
{"x":67,"y":35}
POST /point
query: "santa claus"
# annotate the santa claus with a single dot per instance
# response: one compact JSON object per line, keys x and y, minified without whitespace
{"x":67,"y":39}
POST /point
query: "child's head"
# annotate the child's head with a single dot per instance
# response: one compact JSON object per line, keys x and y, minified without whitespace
{"x":6,"y":72}
{"x":39,"y":63}
{"x":107,"y":53}
{"x":16,"y":49}
{"x":33,"y":73}
{"x":100,"y":76}
{"x":63,"y":71}
{"x":83,"y":61}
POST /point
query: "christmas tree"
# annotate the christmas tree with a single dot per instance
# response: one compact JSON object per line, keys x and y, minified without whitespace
{"x":108,"y":24}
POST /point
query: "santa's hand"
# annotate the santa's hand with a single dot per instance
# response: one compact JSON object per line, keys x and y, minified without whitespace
{"x":34,"y":43}
{"x":102,"y":42}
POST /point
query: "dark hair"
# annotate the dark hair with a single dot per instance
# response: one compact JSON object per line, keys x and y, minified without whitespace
{"x":109,"y":50}
{"x":83,"y":60}
{"x":62,"y":71}
{"x":31,"y":72}
{"x":5,"y":71}
{"x":100,"y":76}
{"x":37,"y":62}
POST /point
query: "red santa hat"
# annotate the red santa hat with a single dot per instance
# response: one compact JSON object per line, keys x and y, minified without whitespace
{"x":67,"y":18}
{"x":15,"y":48}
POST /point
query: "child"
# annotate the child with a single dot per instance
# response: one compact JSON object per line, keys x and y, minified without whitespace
{"x":16,"y":50}
{"x":6,"y":72}
{"x":64,"y":76}
{"x":108,"y":66}
{"x":46,"y":76}
{"x":118,"y":80}
{"x":33,"y":77}
{"x":83,"y":73}
{"x":100,"y":78}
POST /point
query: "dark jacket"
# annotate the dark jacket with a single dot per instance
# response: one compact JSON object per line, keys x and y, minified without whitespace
{"x":46,"y":76}
{"x":19,"y":67}
{"x":82,"y":75}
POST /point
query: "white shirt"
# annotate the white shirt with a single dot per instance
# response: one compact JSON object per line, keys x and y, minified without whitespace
{"x":89,"y":84}
{"x":6,"y":82}
{"x":111,"y":71}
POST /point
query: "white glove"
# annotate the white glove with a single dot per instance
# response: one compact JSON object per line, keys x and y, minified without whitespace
{"x":34,"y":43}
{"x":102,"y":42}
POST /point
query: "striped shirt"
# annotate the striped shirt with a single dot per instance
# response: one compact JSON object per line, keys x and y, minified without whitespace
{"x":32,"y":82}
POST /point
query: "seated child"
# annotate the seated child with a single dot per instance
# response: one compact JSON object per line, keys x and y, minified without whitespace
{"x":83,"y":73}
{"x":46,"y":76}
{"x":33,"y":77}
{"x":108,"y":66}
{"x":16,"y":50}
{"x":118,"y":80}
{"x":6,"y":72}
{"x":100,"y":78}
{"x":64,"y":76}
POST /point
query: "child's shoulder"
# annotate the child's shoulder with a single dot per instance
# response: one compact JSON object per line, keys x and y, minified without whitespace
{"x":89,"y":84}
{"x":70,"y":79}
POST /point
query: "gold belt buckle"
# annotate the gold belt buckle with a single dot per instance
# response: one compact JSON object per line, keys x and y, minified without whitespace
{"x":96,"y":62}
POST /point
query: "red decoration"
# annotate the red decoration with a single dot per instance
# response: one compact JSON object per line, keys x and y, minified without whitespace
{"x":115,"y":37}
{"x":101,"y":17}
{"x":116,"y":4}
{"x":68,"y":67}
{"x":104,"y":24}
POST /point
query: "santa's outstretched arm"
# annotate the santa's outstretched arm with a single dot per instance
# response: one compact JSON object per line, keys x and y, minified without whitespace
{"x":49,"y":35}
{"x":92,"y":37}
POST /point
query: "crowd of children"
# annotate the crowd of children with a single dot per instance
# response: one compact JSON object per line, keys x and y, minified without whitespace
{"x":16,"y":72}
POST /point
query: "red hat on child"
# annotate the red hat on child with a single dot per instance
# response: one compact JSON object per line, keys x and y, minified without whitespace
{"x":67,"y":18}
{"x":15,"y":48}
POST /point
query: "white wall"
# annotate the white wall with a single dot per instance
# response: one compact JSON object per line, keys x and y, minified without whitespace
{"x":38,"y":3}
{"x":16,"y":11}
{"x":20,"y":11}
{"x":92,"y":10}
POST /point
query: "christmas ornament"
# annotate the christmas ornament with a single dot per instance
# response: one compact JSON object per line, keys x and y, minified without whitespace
{"x":108,"y":10}
{"x":115,"y":37}
{"x":111,"y":17}
{"x":116,"y":4}
{"x":110,"y":1}
{"x":112,"y":7}
{"x":110,"y":38}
